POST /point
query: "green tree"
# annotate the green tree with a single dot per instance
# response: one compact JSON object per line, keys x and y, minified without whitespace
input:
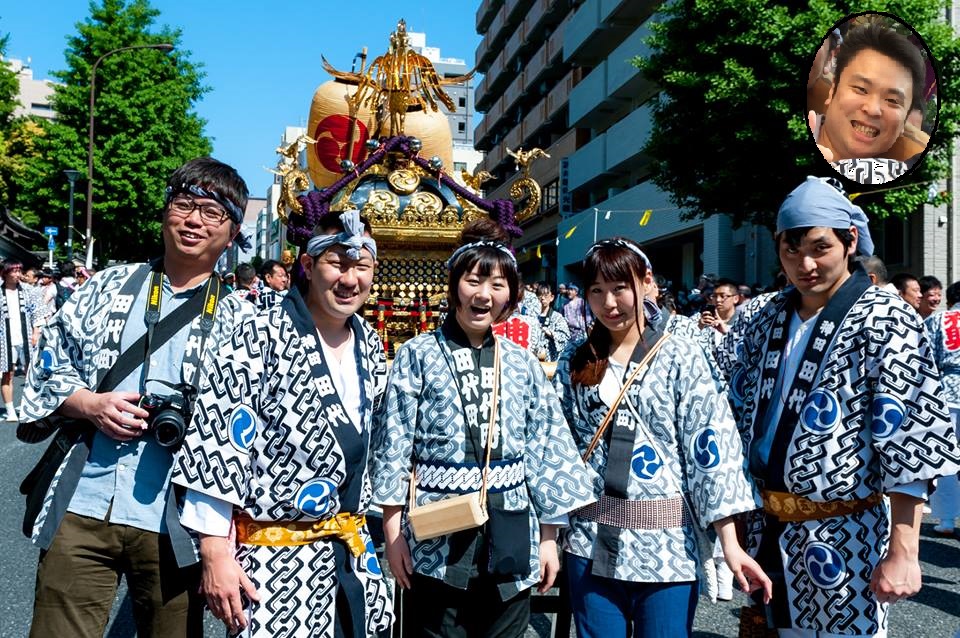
{"x":145,"y":128}
{"x":17,"y":135}
{"x":730,"y":133}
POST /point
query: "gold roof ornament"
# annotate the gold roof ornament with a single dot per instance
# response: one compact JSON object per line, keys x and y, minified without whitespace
{"x":293,"y":178}
{"x":397,"y":80}
{"x":526,"y":187}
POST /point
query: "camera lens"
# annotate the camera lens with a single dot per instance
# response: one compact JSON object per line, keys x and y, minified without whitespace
{"x":169,"y":428}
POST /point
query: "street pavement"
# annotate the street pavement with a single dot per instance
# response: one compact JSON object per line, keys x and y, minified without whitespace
{"x":933,"y":613}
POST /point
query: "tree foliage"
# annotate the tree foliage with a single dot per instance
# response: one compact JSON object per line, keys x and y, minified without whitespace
{"x":730,"y":133}
{"x":145,"y":128}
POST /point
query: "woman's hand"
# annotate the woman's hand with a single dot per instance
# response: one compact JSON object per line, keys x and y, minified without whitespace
{"x":396,"y":547}
{"x":549,"y":558}
{"x":746,"y":570}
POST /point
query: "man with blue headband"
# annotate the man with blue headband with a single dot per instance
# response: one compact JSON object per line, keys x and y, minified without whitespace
{"x":279,"y":447}
{"x":115,"y":378}
{"x":844,"y":421}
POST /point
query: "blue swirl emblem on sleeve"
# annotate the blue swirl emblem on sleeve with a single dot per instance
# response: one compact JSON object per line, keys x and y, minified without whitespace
{"x":243,"y":428}
{"x":825,"y":565}
{"x":738,"y":384}
{"x":821,"y":412}
{"x":370,"y":560}
{"x":317,"y":497}
{"x":706,"y":451}
{"x":888,"y":415}
{"x":645,"y":462}
{"x":46,"y":361}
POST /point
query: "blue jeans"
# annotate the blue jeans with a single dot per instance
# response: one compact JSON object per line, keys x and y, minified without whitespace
{"x":609,"y":608}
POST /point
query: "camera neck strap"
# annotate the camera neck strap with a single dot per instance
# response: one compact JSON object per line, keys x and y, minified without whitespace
{"x":161,"y":331}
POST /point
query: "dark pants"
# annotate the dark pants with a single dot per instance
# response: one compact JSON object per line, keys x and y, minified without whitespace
{"x":609,"y":608}
{"x":435,"y":609}
{"x":77,"y":581}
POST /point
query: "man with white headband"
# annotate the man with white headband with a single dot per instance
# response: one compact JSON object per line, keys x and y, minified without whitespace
{"x":845,"y":423}
{"x":279,"y":447}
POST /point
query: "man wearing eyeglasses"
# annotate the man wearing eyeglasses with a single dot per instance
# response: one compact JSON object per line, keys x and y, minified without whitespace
{"x":131,"y":331}
{"x":720,"y":313}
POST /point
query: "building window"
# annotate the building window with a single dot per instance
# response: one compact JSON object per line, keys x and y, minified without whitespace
{"x":551,"y":193}
{"x":462,"y":102}
{"x":459,"y":166}
{"x":461,"y":126}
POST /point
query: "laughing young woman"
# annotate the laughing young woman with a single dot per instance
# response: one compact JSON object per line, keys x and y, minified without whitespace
{"x":433,"y":424}
{"x":670,"y":457}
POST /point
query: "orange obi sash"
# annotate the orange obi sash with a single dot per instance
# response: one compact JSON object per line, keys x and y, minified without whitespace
{"x":791,"y":508}
{"x":344,"y":526}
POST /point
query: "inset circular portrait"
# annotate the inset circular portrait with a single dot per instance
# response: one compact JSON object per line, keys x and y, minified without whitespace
{"x":872,"y":101}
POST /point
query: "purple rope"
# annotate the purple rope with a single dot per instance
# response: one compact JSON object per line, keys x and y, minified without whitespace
{"x":316,"y":203}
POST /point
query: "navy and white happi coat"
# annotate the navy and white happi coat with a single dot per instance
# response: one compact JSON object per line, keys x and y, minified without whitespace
{"x":272,"y":437}
{"x":422,"y":419}
{"x":74,"y":355}
{"x":33,"y":312}
{"x":685,"y":443}
{"x":875,"y":418}
{"x":944,"y":331}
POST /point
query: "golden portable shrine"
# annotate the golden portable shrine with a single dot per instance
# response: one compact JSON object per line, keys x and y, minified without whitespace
{"x":378,"y":142}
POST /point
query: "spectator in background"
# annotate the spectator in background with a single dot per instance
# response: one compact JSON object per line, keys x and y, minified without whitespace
{"x":553,"y":326}
{"x":67,"y":275}
{"x":248,"y":284}
{"x":931,"y":293}
{"x":720,"y":313}
{"x":274,"y":275}
{"x":909,"y":288}
{"x":276,"y":280}
{"x":745,"y":292}
{"x":229,"y":281}
{"x":575,"y":312}
{"x":30,"y":275}
{"x":22,"y":312}
{"x":49,"y":290}
{"x":562,"y":299}
{"x":877,"y":272}
{"x":944,"y":331}
{"x":82,"y":276}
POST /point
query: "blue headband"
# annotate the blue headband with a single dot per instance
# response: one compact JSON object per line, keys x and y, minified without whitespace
{"x":236,"y":214}
{"x":479,"y":244}
{"x":352,"y":237}
{"x":819,"y":203}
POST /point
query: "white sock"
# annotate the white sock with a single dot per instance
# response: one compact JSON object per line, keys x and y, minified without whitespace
{"x":10,"y":408}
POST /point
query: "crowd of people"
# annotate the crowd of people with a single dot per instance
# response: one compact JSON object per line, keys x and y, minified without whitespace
{"x":222,"y":447}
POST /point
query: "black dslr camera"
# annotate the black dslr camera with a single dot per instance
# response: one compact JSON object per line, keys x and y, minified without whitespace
{"x":169,"y":415}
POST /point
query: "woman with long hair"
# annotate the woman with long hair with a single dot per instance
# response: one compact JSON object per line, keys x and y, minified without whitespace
{"x":652,"y":422}
{"x":450,"y":424}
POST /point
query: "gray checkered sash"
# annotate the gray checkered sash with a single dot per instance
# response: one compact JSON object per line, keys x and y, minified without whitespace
{"x":628,"y":514}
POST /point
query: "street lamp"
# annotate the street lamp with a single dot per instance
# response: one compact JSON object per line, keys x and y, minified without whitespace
{"x":72,"y":176}
{"x":93,"y":83}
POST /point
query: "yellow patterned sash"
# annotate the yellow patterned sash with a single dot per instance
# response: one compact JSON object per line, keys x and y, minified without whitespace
{"x":791,"y":508}
{"x":345,"y":526}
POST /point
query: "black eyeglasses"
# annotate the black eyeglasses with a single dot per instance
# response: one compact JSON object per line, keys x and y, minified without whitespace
{"x":211,"y":214}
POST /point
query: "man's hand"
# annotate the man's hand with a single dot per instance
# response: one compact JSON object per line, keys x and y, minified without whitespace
{"x":814,"y":121}
{"x":897,"y":576}
{"x":223,"y":582}
{"x":116,"y":414}
{"x":396,"y":547}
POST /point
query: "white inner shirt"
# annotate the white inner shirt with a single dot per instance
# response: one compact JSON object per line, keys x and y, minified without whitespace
{"x":16,"y":324}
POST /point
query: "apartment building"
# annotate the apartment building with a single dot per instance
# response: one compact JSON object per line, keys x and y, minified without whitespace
{"x":34,"y":95}
{"x":558,"y":77}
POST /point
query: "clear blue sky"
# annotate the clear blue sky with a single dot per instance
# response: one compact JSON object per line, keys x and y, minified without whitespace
{"x":261,"y":58}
